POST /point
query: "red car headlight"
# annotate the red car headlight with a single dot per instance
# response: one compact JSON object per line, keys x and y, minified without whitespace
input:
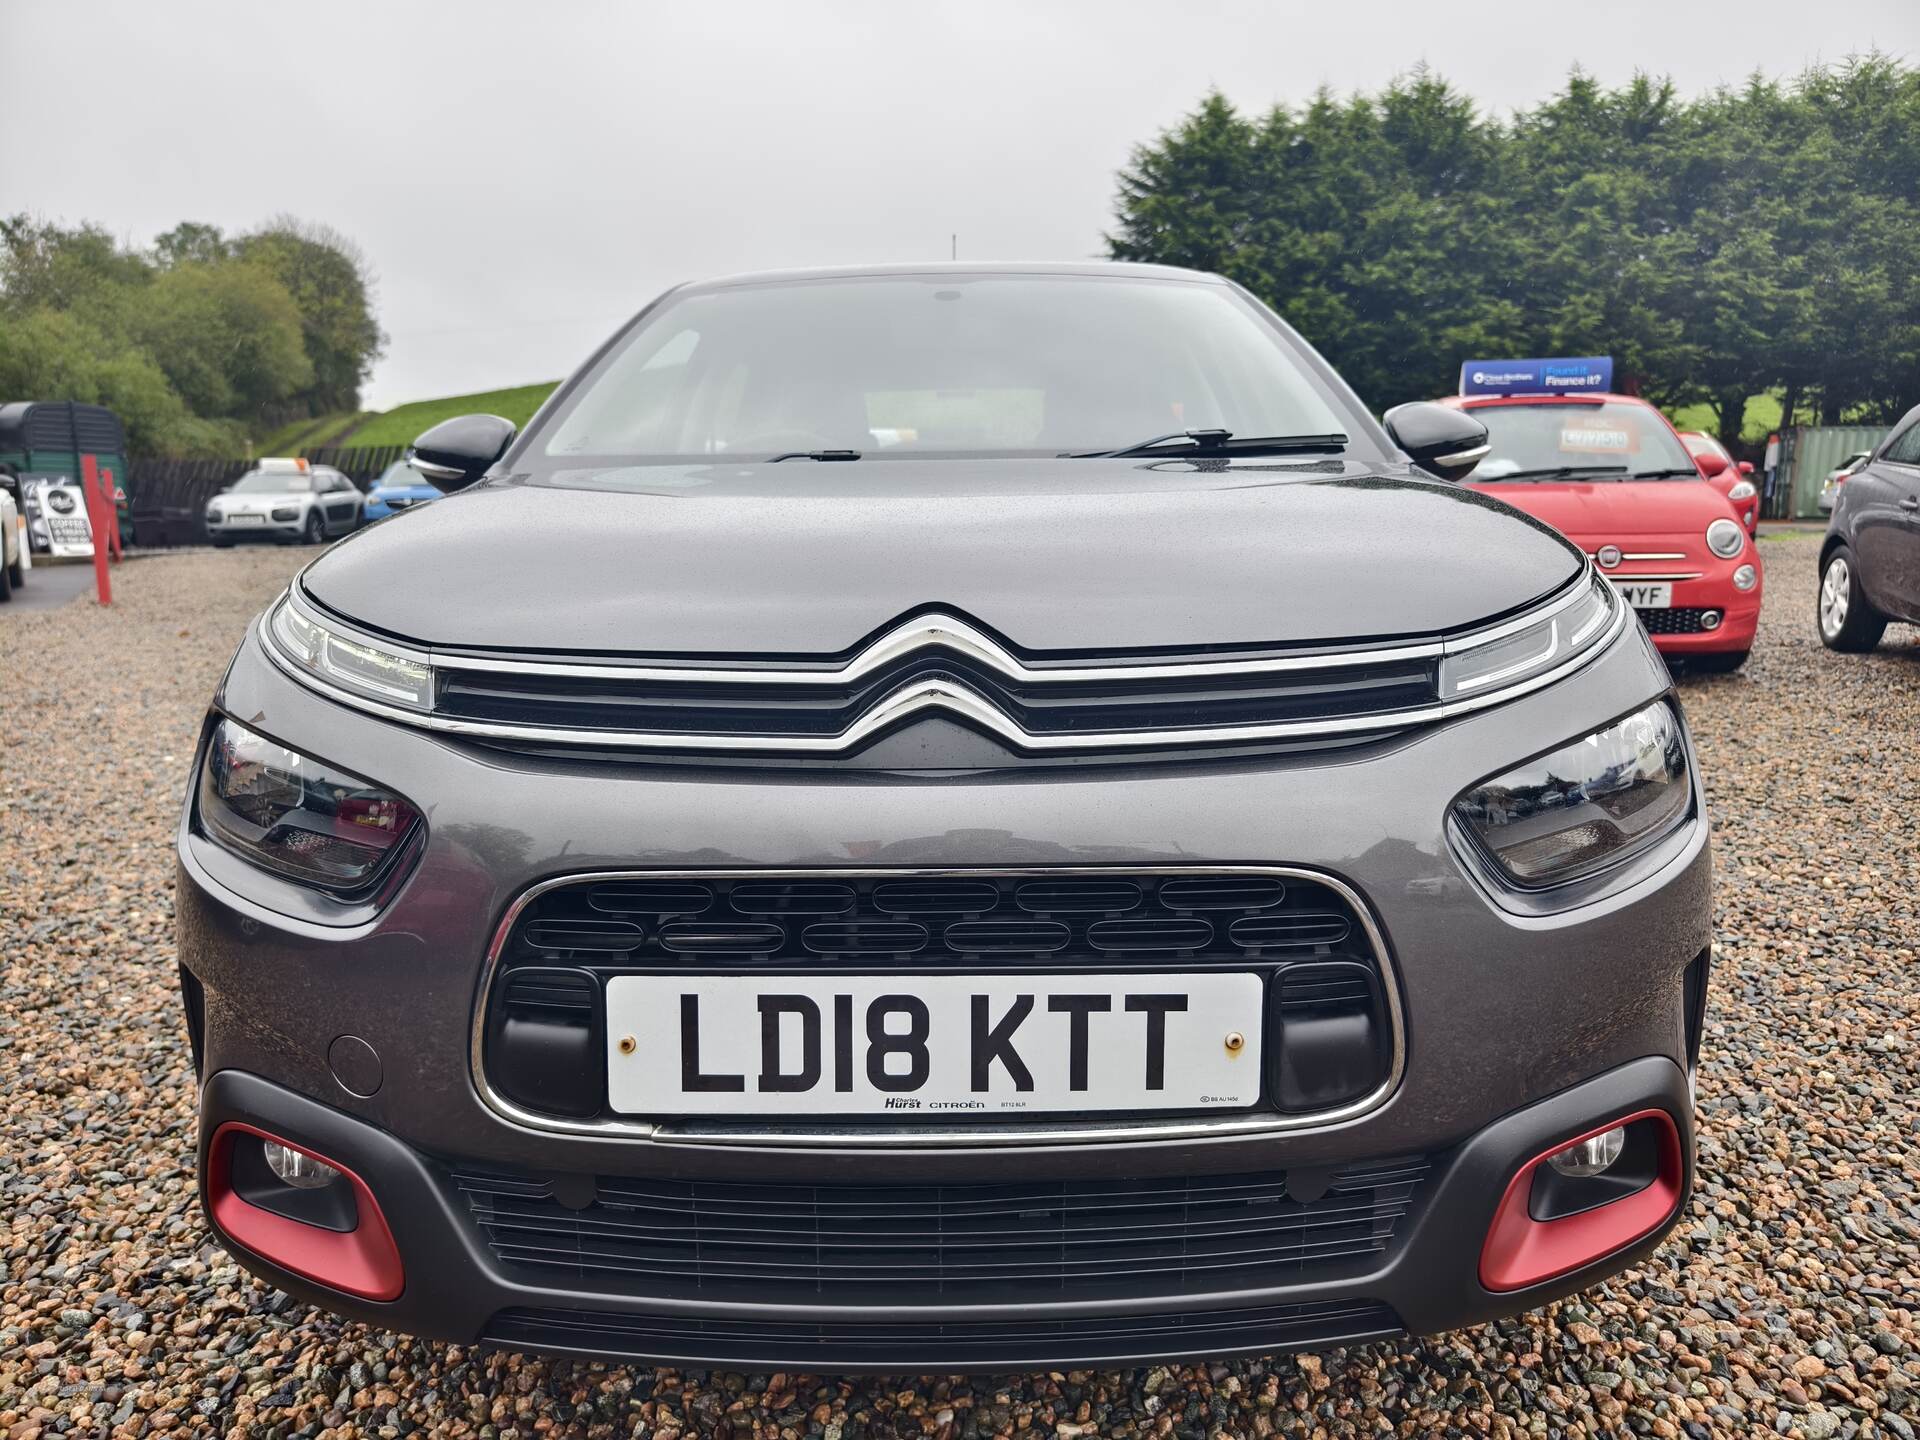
{"x":302,"y":819}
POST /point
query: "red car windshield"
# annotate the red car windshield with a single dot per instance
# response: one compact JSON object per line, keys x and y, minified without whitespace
{"x":1600,"y":441}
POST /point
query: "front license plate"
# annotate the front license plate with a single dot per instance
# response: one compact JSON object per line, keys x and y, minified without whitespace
{"x":1646,"y":595}
{"x":245,"y":519}
{"x":931,"y":1046}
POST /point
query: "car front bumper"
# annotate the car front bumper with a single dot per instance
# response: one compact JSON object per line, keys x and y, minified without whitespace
{"x":1700,"y":581}
{"x":1527,"y":1022}
{"x":265,"y":528}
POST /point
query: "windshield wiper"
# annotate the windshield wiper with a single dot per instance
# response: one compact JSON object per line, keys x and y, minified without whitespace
{"x":813,"y":455}
{"x":1672,"y":473}
{"x":1219,"y":442}
{"x":1557,"y":472}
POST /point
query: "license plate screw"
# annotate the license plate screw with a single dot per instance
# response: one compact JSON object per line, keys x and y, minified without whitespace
{"x":1236,"y":1042}
{"x":628,"y":1045}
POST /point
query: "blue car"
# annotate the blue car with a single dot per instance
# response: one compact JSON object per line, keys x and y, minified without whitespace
{"x":399,"y":487}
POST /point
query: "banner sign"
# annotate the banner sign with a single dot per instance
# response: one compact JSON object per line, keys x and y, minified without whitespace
{"x":1566,"y":375}
{"x":57,"y":508}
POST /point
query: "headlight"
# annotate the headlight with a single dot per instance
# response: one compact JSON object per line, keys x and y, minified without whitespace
{"x":1725,"y":538}
{"x":353,"y":663}
{"x":1743,"y":490}
{"x":1586,"y":806}
{"x":291,"y":814}
{"x":1470,"y":667}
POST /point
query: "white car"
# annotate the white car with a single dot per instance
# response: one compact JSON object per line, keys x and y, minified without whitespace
{"x":285,"y":500}
{"x":1838,"y":477}
{"x":13,"y":540}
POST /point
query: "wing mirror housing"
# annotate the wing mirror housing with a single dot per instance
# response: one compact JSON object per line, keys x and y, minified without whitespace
{"x":1711,"y":463}
{"x":457,"y":452}
{"x":1746,"y":467}
{"x":1439,"y":439}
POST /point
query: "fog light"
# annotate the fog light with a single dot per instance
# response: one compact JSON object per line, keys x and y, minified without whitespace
{"x":303,"y":1172}
{"x":1745,"y":578}
{"x":1590,"y":1157}
{"x":1709,"y":619}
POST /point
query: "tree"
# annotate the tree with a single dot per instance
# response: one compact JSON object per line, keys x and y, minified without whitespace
{"x":228,"y":336}
{"x":193,"y":340}
{"x":1753,"y":238}
{"x":332,"y":285}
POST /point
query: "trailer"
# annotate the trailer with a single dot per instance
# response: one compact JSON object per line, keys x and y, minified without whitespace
{"x":41,"y":445}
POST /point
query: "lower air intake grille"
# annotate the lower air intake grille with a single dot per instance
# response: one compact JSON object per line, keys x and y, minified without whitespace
{"x":1039,"y":1239}
{"x":1100,"y":921}
{"x":1682,"y":621}
{"x":911,"y":1346}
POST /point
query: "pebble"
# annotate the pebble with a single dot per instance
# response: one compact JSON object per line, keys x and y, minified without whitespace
{"x":1787,"y":1301}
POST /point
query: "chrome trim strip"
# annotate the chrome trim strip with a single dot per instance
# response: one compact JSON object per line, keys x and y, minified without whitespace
{"x":1461,"y":457}
{"x":981,"y":1136}
{"x":1629,"y":579}
{"x":1647,"y":555}
{"x":946,"y":696}
{"x":951,"y":633}
{"x":955,"y":698}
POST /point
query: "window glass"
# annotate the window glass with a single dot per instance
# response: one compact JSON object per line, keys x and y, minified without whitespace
{"x":274,"y":482}
{"x":1532,"y":442}
{"x":941,"y":365}
{"x":1905,"y":449}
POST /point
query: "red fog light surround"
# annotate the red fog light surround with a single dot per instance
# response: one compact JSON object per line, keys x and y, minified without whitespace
{"x":363,"y":1261}
{"x":1522,"y":1251}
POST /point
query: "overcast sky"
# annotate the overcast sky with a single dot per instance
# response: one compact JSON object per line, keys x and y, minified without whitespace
{"x":523,"y":176}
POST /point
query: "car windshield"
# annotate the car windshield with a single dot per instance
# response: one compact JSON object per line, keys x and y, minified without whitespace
{"x":1597,"y":441}
{"x":271,"y":482}
{"x":928,"y":366}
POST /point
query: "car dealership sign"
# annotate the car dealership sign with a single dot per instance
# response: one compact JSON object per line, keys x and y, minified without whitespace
{"x":1567,"y":375}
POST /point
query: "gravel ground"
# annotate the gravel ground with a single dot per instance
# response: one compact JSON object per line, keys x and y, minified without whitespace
{"x":1788,"y":1301}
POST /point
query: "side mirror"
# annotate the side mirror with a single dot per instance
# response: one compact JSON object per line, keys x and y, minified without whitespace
{"x":1711,"y":463}
{"x":1746,"y":467}
{"x":457,"y":452}
{"x":1439,"y":439}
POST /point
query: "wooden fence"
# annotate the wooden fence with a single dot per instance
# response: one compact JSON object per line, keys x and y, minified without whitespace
{"x":167,"y":499}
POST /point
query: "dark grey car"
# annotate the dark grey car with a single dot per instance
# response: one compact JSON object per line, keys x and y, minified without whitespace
{"x":946,"y":818}
{"x":1870,"y":560}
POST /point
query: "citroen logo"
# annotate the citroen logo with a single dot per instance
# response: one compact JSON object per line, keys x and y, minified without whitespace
{"x":1608,"y":556}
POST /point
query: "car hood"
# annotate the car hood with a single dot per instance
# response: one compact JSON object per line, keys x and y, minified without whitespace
{"x":259,"y":500}
{"x":1613,"y":508}
{"x":811,"y":559}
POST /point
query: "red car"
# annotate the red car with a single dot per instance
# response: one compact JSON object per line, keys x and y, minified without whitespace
{"x":1611,"y":474}
{"x":1732,"y":478}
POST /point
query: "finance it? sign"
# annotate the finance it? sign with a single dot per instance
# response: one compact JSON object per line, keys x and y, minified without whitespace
{"x":1564,"y":375}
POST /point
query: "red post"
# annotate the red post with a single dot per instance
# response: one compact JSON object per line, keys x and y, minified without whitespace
{"x":90,"y":487}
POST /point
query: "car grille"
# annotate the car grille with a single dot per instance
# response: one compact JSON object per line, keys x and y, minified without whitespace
{"x":943,"y":1346}
{"x":1040,"y":707}
{"x":545,"y":992}
{"x":1071,"y":1238}
{"x":1681,"y":620}
{"x":1109,"y":920}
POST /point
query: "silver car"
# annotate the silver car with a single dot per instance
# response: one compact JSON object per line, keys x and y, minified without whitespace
{"x":285,"y":500}
{"x":1838,"y":477}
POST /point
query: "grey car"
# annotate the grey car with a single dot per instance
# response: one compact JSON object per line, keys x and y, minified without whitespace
{"x":286,"y":500}
{"x":1870,"y":560}
{"x":1000,"y":819}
